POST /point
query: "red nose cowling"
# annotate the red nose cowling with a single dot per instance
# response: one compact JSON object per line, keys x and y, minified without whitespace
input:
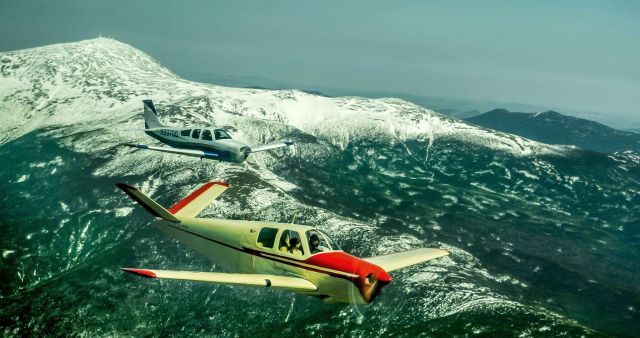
{"x":370,"y":277}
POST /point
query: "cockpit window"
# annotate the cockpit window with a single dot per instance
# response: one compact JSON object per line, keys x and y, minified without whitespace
{"x":290,"y":243}
{"x":267,"y":237}
{"x":319,"y":242}
{"x":196,"y":133}
{"x":221,"y":134}
{"x":206,"y":135}
{"x":185,"y":132}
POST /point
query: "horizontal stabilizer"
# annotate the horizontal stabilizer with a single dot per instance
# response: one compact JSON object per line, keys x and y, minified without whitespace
{"x":193,"y":204}
{"x":273,"y":281}
{"x":146,"y":202}
{"x":403,"y":259}
{"x":269,"y":146}
{"x":188,"y":152}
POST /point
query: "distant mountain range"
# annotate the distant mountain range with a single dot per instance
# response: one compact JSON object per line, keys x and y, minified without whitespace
{"x":457,"y":107}
{"x":251,"y":82}
{"x":554,"y":128}
{"x":312,"y":92}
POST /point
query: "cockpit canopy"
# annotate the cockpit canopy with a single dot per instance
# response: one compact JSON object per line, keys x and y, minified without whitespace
{"x":206,"y":134}
{"x":294,"y":242}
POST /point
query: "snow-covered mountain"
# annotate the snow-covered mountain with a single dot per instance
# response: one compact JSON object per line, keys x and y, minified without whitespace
{"x":101,"y":82}
{"x":526,"y":222}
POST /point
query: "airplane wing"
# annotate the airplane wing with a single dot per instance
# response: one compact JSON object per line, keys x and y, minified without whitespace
{"x":193,"y":204}
{"x":403,"y":259}
{"x":143,"y":129}
{"x":188,"y":152}
{"x":149,"y":204}
{"x":269,"y":146}
{"x":273,"y":281}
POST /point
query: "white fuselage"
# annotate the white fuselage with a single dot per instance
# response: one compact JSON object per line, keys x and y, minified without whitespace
{"x":205,"y":139}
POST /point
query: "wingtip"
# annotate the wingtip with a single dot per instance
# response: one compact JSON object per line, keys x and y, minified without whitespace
{"x":125,"y":186}
{"x":220,"y":183}
{"x":122,"y":185}
{"x":136,"y":145}
{"x":446,"y":250}
{"x":140,"y":272}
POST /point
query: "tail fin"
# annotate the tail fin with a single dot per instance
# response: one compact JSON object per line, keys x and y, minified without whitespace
{"x":150,"y":115}
{"x":146,"y":202}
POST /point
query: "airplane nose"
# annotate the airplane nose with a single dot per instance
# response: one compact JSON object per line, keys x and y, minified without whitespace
{"x":384,"y":277}
{"x":372,"y":283}
{"x":242,"y":154}
{"x":246,"y":151}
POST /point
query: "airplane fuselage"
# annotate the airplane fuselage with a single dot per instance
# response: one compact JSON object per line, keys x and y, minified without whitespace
{"x":234,"y":246}
{"x":203,"y":139}
{"x":202,"y":142}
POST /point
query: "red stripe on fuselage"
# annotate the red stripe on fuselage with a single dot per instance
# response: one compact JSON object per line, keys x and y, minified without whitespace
{"x":183,"y":202}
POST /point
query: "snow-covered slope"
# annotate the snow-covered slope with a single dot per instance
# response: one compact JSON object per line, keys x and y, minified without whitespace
{"x":100,"y":81}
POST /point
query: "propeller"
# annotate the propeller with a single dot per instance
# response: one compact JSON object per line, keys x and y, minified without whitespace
{"x":246,"y":151}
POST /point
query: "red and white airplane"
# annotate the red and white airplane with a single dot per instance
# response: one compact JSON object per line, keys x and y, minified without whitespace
{"x":286,"y":256}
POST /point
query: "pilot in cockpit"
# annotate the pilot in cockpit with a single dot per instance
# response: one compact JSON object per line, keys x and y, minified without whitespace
{"x":314,"y":244}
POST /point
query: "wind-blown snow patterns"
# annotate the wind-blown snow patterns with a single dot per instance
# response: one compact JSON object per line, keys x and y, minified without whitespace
{"x":544,"y":239}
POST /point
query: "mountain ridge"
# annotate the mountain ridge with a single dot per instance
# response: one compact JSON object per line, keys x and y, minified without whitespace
{"x":552,"y":127}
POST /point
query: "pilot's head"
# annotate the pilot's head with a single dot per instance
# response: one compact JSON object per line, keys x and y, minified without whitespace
{"x":314,"y":240}
{"x":294,"y":242}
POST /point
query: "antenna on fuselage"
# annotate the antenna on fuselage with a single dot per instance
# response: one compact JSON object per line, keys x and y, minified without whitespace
{"x":293,"y":216}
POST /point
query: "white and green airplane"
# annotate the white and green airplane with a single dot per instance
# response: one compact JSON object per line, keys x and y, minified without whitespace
{"x":203,"y":142}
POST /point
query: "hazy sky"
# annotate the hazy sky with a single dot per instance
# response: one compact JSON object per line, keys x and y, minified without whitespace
{"x":580,"y":55}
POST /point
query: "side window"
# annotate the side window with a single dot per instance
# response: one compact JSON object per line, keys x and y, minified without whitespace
{"x":290,"y":243}
{"x":318,"y":242}
{"x":221,"y":134}
{"x":267,"y":237}
{"x":186,"y":132}
{"x":196,"y":133}
{"x":206,"y":135}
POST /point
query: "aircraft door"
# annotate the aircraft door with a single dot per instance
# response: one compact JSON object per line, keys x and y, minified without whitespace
{"x":248,"y":242}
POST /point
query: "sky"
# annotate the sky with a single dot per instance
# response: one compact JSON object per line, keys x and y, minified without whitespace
{"x":581,"y":56}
